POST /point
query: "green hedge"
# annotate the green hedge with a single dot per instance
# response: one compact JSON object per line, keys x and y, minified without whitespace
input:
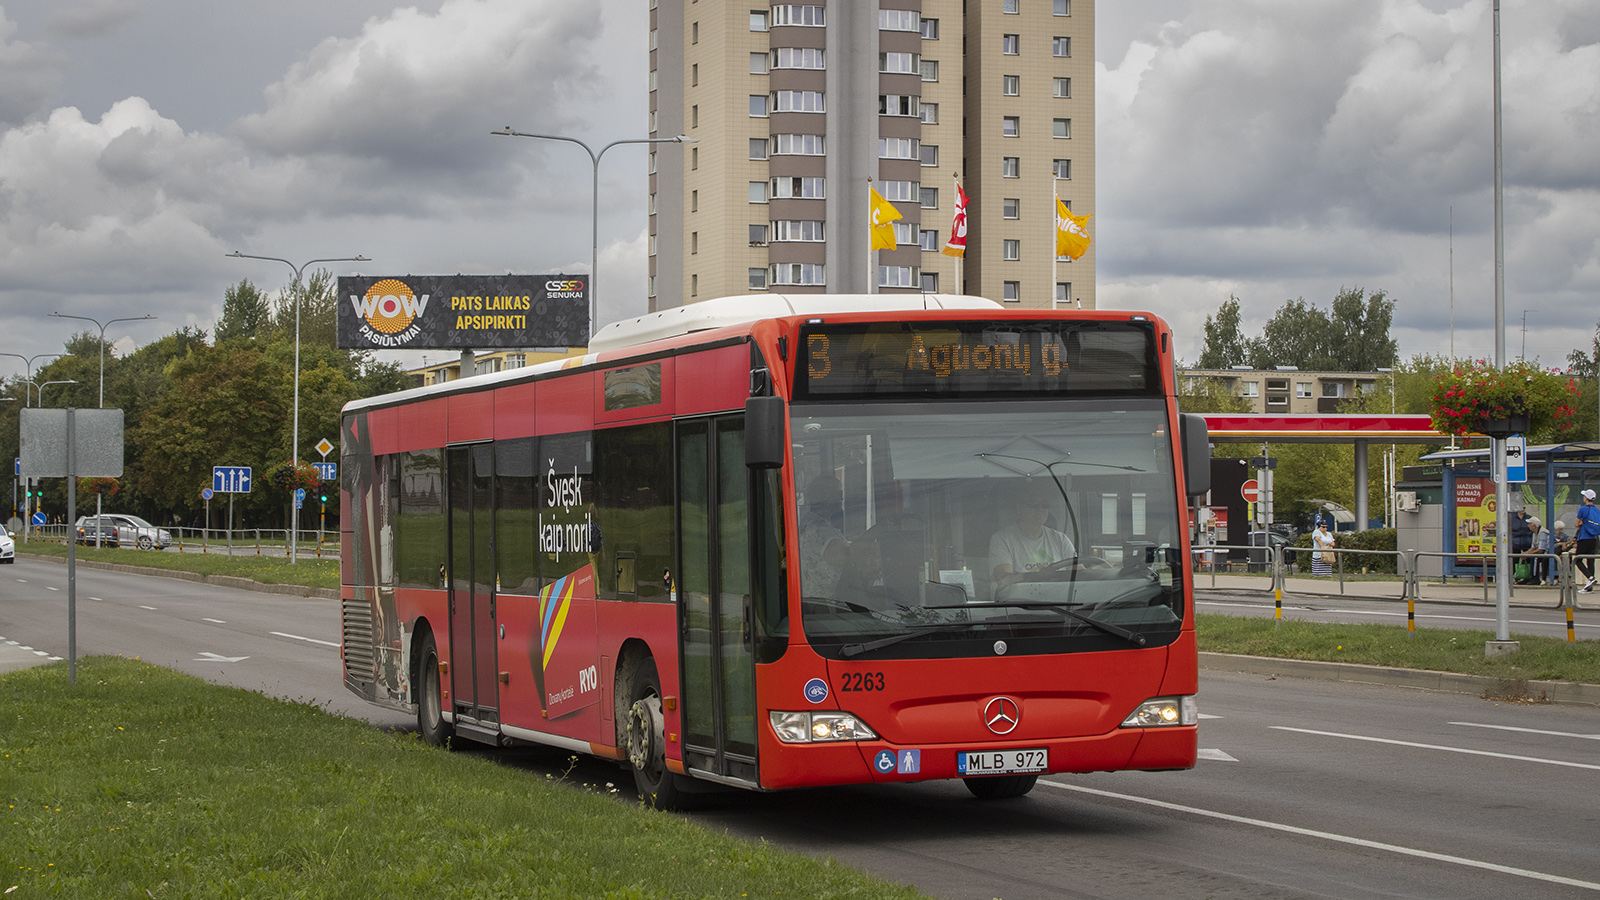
{"x":1371,"y":539}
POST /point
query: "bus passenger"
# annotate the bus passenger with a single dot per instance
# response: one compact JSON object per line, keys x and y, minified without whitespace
{"x":823,"y":548}
{"x":1030,"y":544}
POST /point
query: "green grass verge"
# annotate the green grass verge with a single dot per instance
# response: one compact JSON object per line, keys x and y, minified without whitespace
{"x":1437,"y":649}
{"x":308,"y":571}
{"x":142,"y":782}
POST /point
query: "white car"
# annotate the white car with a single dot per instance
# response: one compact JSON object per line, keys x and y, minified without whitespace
{"x":133,"y":531}
{"x":8,"y":547}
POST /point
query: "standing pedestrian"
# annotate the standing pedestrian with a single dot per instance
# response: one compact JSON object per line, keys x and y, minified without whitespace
{"x":1588,"y":534}
{"x":1322,"y":539}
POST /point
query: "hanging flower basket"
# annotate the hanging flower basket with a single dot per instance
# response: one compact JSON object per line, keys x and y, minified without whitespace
{"x":105,"y":487}
{"x":285,"y":476}
{"x":1477,"y":398}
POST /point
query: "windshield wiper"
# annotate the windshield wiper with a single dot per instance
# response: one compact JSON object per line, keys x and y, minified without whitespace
{"x":1132,"y":637}
{"x":869,"y":646}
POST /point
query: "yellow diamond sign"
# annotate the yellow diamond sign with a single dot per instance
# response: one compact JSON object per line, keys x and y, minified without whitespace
{"x":324,"y":447}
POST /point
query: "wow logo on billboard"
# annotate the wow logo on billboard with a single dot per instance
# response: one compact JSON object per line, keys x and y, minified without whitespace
{"x":389,"y":313}
{"x":564,"y":668}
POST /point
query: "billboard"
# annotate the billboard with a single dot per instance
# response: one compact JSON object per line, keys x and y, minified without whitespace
{"x":1475,"y":521}
{"x":461,"y":312}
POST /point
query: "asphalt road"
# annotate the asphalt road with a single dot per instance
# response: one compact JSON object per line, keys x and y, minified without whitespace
{"x":1304,"y":789}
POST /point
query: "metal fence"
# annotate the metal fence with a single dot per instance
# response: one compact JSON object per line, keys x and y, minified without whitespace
{"x":235,"y":542}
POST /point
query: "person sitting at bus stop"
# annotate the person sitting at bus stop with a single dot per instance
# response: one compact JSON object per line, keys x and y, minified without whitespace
{"x":1537,"y":552}
{"x":1030,"y":545}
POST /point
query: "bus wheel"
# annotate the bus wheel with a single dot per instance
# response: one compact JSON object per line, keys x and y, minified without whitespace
{"x":647,"y":749}
{"x":430,"y":704}
{"x":1000,"y":787}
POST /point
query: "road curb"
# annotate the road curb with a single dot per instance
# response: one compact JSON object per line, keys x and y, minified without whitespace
{"x":231,"y":581}
{"x":1418,"y":679}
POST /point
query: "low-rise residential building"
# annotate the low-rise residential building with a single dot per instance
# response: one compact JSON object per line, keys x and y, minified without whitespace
{"x":1287,"y":390}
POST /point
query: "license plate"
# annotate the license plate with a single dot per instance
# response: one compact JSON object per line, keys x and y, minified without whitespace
{"x":1002,"y":762}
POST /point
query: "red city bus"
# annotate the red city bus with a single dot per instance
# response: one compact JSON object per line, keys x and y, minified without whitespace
{"x":780,"y":541}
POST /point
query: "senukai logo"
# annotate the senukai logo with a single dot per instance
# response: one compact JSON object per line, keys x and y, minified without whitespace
{"x":390,"y":309}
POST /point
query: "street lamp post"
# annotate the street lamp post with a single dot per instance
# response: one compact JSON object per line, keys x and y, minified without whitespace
{"x":102,"y":344}
{"x":594,"y":216}
{"x":294,"y":512}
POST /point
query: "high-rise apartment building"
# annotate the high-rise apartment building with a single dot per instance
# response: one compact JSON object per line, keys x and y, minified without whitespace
{"x":794,"y":107}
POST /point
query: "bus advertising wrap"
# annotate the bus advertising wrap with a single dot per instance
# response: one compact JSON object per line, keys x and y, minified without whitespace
{"x":441,"y":312}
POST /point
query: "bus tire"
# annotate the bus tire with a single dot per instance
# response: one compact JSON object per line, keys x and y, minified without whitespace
{"x":647,"y":747}
{"x":1000,"y":787}
{"x":430,"y":697}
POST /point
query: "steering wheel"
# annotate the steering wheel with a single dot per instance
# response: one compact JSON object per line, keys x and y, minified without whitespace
{"x":1087,"y":562}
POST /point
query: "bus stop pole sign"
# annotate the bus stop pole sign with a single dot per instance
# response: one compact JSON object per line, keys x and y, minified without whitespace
{"x":1516,"y":459}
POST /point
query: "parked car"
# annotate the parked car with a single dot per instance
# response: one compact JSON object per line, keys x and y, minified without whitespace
{"x":8,"y":547}
{"x":134,"y":531}
{"x":107,"y":537}
{"x":1275,"y":539}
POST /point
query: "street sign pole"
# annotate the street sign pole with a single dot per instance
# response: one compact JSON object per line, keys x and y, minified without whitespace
{"x":72,"y":546}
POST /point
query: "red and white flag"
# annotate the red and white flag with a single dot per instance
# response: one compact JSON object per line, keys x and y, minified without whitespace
{"x":957,"y":245}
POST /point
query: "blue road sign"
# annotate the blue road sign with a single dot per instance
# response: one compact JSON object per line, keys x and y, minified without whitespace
{"x":299,"y":497}
{"x":38,"y":518}
{"x":1517,"y":459}
{"x":230,"y":479}
{"x":327,"y":471}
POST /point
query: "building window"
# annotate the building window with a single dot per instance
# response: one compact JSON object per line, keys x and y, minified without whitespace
{"x":1009,"y":208}
{"x":1302,"y":390}
{"x":807,"y":230}
{"x":758,"y":106}
{"x":1063,"y":7}
{"x":797,"y":101}
{"x":652,"y":158}
{"x":652,"y":121}
{"x":694,"y":285}
{"x":694,"y":242}
{"x":930,"y":29}
{"x":900,"y":63}
{"x":653,"y":39}
{"x":930,"y":70}
{"x":899,"y":20}
{"x":694,"y":116}
{"x":1011,"y":167}
{"x":1062,"y":169}
{"x":898,"y":148}
{"x":900,"y":276}
{"x":898,"y":190}
{"x":1063,"y":291}
{"x":758,"y":235}
{"x":798,"y":273}
{"x":799,"y":145}
{"x":1063,"y":128}
{"x":758,"y":279}
{"x":1010,"y":126}
{"x":1009,"y":7}
{"x":1063,"y":89}
{"x":796,"y":58}
{"x":758,"y":192}
{"x":758,"y":148}
{"x":798,"y":15}
{"x":1010,"y":44}
{"x":1011,"y":291}
{"x":930,"y":155}
{"x":651,"y":205}
{"x":929,"y":197}
{"x":929,"y":113}
{"x":758,"y":64}
{"x":930,"y":282}
{"x":795,"y":187}
{"x":694,"y":75}
{"x":652,"y":245}
{"x":1061,"y":46}
{"x":652,"y":79}
{"x":1010,"y":85}
{"x":1011,"y":249}
{"x":694,"y":158}
{"x":650,"y":285}
{"x":897,"y":105}
{"x":694,"y":32}
{"x":758,"y":22}
{"x":1333,"y":389}
{"x":694,"y":201}
{"x":905,"y":234}
{"x":928,"y":239}
{"x":1250,"y":389}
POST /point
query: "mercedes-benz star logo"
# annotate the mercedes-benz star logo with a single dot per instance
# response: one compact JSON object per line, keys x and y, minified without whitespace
{"x":1001,"y":715}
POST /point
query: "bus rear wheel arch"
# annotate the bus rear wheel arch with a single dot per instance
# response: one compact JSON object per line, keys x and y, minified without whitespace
{"x":430,"y":696}
{"x":644,"y":733}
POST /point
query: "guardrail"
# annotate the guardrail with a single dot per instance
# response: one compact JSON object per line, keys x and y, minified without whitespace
{"x":249,"y":541}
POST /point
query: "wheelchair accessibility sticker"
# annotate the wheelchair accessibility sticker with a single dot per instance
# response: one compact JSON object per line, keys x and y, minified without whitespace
{"x":907,"y":762}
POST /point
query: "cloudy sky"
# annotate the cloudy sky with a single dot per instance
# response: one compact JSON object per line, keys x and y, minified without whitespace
{"x":1257,"y":148}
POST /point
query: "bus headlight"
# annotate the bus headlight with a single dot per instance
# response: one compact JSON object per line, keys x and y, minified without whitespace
{"x":1160,"y":711}
{"x":815,"y":727}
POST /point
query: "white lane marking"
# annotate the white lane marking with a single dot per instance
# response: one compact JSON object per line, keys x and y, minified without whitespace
{"x":306,"y":639}
{"x":1587,"y":737}
{"x":213,"y":621}
{"x":1382,"y":612}
{"x":41,"y":653}
{"x":97,"y":599}
{"x":151,"y":608}
{"x":1378,"y":740}
{"x":1331,"y":836}
{"x":206,"y":656}
{"x":1218,"y":755}
{"x":56,"y":589}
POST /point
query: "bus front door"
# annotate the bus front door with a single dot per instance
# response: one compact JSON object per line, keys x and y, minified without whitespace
{"x":474,"y":691}
{"x":714,"y":613}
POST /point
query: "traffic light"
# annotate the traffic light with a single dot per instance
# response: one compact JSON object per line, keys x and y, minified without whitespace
{"x":323,"y":498}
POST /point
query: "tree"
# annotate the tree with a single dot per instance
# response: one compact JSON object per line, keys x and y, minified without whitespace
{"x":1225,"y":346}
{"x":1585,"y":367}
{"x":1297,"y":335}
{"x":245,"y":314}
{"x":318,"y":310}
{"x":1208,"y":395}
{"x":1360,"y":339}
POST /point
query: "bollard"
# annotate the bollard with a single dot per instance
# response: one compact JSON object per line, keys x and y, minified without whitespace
{"x":1571,"y":637}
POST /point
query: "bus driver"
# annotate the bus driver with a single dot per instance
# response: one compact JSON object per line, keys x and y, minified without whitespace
{"x":1028,"y":546}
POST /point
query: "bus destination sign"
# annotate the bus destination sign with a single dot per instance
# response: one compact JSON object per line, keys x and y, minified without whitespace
{"x":885,"y":359}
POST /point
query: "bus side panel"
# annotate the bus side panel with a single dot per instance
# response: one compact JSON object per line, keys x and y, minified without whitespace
{"x":416,"y":609}
{"x":426,"y":426}
{"x":657,"y":625}
{"x":721,"y":381}
{"x":514,"y":412}
{"x":565,"y":404}
{"x":471,"y":417}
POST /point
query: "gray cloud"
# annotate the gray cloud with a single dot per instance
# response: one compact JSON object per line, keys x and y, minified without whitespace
{"x":97,"y":19}
{"x":29,"y":72}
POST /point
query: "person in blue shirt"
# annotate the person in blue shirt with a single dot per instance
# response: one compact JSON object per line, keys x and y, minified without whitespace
{"x":1587,"y":531}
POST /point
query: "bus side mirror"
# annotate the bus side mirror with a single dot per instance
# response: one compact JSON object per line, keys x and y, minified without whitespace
{"x":1196,"y":453}
{"x":765,"y":441}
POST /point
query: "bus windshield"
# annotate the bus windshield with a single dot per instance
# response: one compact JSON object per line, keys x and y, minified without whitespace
{"x":944,"y":529}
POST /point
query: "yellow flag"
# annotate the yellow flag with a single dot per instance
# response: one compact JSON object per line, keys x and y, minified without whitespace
{"x":1072,"y":232}
{"x":884,"y":215}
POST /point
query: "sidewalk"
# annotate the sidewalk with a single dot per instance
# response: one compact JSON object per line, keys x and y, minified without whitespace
{"x":1390,"y":588}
